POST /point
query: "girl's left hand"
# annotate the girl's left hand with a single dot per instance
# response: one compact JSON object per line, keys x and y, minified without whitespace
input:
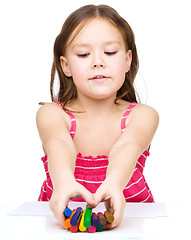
{"x":114,"y":201}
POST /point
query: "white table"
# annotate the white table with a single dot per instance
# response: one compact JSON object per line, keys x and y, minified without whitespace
{"x":176,"y":226}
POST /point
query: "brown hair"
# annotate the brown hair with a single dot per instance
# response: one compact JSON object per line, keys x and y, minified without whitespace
{"x":67,"y":88}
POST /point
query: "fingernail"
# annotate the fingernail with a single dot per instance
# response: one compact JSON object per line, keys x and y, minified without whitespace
{"x":111,"y":210}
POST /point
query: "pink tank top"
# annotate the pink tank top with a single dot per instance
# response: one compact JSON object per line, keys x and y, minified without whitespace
{"x":91,"y":171}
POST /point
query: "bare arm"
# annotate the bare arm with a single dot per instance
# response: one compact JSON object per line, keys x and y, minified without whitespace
{"x":61,"y":152}
{"x":133,"y":142}
{"x":57,"y":142}
{"x":141,"y":126}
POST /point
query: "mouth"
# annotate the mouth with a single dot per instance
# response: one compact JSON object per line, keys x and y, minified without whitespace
{"x":98,"y":77}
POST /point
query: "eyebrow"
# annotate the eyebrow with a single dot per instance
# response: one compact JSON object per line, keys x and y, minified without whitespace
{"x":88,"y":45}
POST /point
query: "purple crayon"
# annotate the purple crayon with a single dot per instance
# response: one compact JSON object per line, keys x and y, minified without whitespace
{"x":95,"y":220}
{"x":75,"y":218}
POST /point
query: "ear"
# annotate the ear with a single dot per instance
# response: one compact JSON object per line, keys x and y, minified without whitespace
{"x":128,"y":60}
{"x":65,"y":66}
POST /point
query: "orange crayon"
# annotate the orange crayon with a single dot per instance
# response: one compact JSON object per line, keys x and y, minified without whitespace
{"x":67,"y":221}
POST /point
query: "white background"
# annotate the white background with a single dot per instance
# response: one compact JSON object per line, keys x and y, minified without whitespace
{"x":27,"y":33}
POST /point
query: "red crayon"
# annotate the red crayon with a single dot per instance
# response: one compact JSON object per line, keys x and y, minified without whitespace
{"x":102,"y":218}
{"x":92,"y":229}
{"x":74,"y":229}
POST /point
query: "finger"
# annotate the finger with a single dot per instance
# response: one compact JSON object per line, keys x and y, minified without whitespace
{"x":116,"y":207}
{"x":88,"y":196}
{"x":58,"y":210}
{"x":118,"y":211}
{"x":99,"y":196}
{"x":107,"y":226}
{"x":108,"y":205}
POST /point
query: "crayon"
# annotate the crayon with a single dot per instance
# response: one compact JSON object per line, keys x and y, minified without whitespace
{"x":109,"y":216}
{"x":67,"y":212}
{"x":74,"y":229}
{"x":95,"y":220}
{"x":87,"y":217}
{"x":67,"y":221}
{"x":92,"y":229}
{"x":75,"y":218}
{"x":102,"y":218}
{"x":99,"y":228}
{"x":81,"y":226}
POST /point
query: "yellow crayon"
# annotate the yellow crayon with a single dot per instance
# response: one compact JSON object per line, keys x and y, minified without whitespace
{"x":81,"y":226}
{"x":109,"y":216}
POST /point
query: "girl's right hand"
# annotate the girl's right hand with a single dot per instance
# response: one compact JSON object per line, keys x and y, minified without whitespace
{"x":62,"y":194}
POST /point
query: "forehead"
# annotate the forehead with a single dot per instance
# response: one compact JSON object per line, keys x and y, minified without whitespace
{"x":97,"y":30}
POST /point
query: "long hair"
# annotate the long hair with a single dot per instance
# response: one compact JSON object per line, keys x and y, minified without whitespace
{"x":67,"y":89}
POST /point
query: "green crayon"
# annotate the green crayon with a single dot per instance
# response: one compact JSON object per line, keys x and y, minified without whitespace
{"x":87,"y":217}
{"x":99,"y":228}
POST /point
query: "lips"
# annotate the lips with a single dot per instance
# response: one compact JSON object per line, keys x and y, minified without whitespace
{"x":97,"y":77}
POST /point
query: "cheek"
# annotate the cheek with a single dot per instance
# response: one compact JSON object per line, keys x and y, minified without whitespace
{"x":75,"y":70}
{"x":120,"y":73}
{"x":78,"y":74}
{"x":78,"y":67}
{"x":120,"y":69}
{"x":120,"y":63}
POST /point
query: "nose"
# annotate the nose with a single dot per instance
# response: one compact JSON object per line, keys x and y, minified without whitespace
{"x":97,"y":65}
{"x":98,"y":61}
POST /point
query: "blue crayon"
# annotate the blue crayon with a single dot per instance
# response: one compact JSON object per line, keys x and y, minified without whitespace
{"x":75,"y":218}
{"x":95,"y":220}
{"x":67,"y":212}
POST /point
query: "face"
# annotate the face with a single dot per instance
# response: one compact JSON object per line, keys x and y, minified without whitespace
{"x":97,"y":60}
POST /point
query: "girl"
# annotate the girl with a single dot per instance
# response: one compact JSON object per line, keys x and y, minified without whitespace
{"x":95,"y":136}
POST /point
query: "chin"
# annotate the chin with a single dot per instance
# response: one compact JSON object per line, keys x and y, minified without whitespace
{"x":104,"y":96}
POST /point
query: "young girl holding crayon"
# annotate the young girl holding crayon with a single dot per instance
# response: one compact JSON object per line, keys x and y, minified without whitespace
{"x":95,"y":135}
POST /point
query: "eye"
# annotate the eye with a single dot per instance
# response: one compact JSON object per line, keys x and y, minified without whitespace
{"x":110,"y":53}
{"x":84,"y":55}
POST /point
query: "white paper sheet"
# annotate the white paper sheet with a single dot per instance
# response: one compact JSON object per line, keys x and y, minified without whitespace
{"x":132,"y":210}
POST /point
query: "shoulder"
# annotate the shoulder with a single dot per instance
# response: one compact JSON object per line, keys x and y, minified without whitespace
{"x":143,"y":110}
{"x":47,"y":106}
{"x":48,"y":109}
{"x":145,"y":115}
{"x":52,"y":122}
{"x":141,"y":126}
{"x":139,"y":111}
{"x":51,"y":112}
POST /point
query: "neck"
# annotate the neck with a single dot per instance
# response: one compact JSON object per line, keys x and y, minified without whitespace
{"x":95,"y":107}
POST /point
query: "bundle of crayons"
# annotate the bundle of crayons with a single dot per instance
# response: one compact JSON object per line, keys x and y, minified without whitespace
{"x":86,"y":220}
